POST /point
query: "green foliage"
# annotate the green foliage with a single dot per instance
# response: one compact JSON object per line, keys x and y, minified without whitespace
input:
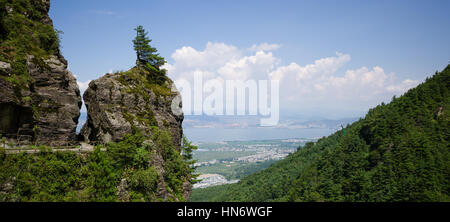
{"x":23,"y":33}
{"x":124,"y":152}
{"x":101,"y":176}
{"x":137,"y":82}
{"x":67,"y":176}
{"x":398,"y":152}
{"x":187,"y":150}
{"x":144,"y":183}
{"x":177,"y":167}
{"x":141,"y":158}
{"x":187,"y":155}
{"x":146,"y":53}
{"x":147,"y":57}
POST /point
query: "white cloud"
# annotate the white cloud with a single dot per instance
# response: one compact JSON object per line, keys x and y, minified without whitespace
{"x":315,"y":84}
{"x":362,"y":83}
{"x":214,"y":55}
{"x":319,"y":83}
{"x":403,"y":86}
{"x":247,"y":67}
{"x":264,"y":47}
{"x":319,"y":69}
{"x":220,"y":60}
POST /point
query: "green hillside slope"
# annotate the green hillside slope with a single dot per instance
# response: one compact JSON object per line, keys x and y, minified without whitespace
{"x":398,"y":152}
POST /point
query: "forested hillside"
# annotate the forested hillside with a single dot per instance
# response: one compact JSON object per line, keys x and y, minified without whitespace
{"x":398,"y":152}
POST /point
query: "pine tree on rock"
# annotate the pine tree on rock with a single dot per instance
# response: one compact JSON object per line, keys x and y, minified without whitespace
{"x":147,"y":56}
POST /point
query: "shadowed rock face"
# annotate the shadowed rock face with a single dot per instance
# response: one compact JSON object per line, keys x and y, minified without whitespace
{"x":45,"y":111}
{"x":117,"y":104}
{"x":16,"y":119}
{"x":58,"y":101}
{"x":46,"y":107}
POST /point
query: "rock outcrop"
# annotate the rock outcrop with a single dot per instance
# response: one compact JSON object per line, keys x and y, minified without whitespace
{"x":40,"y":103}
{"x":126,"y":103}
{"x":120,"y":104}
{"x":40,"y":100}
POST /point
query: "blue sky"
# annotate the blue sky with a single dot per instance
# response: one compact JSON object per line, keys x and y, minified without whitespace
{"x":407,"y":40}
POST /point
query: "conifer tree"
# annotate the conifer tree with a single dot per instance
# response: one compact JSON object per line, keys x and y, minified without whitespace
{"x":147,"y":56}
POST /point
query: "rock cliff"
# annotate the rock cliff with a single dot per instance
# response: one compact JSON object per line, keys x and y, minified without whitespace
{"x":128,"y":102}
{"x":138,"y":110}
{"x":40,"y":99}
{"x":121,"y":103}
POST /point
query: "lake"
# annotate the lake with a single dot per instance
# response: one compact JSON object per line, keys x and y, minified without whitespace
{"x":232,"y":134}
{"x":251,"y":133}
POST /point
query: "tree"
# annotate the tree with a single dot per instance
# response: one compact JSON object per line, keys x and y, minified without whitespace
{"x":146,"y":55}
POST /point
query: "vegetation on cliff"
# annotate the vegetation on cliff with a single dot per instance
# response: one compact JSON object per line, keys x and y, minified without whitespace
{"x":398,"y":152}
{"x":98,"y":176}
{"x":146,"y":160}
{"x":26,"y":29}
{"x":40,"y":98}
